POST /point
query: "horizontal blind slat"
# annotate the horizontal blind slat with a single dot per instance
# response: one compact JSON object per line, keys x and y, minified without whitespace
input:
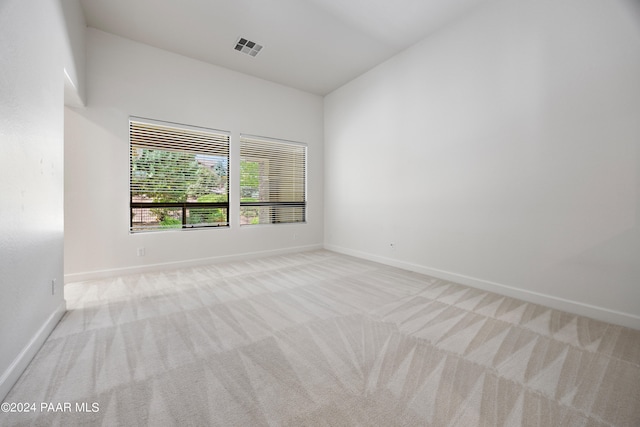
{"x":144,"y":135}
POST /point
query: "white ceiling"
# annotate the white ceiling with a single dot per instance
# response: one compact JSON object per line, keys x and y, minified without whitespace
{"x":311,"y":45}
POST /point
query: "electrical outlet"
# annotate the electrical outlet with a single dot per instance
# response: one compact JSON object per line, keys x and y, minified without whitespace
{"x":141,"y":252}
{"x":295,"y":236}
{"x":392,"y":246}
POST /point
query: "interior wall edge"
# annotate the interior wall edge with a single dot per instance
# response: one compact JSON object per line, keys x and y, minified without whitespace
{"x":11,"y":375}
{"x":599,"y":313}
{"x":103,"y":274}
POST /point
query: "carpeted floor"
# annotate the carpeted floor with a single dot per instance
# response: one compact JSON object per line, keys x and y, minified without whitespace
{"x":323,"y":339}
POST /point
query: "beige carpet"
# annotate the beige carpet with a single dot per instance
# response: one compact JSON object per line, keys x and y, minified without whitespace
{"x":323,"y":339}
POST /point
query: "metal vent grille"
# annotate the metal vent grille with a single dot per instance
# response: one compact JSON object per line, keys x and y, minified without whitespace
{"x":247,"y":46}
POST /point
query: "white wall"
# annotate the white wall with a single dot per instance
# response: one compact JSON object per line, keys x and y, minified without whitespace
{"x":31,"y":180}
{"x":74,"y":58}
{"x":502,"y":152}
{"x":127,"y":78}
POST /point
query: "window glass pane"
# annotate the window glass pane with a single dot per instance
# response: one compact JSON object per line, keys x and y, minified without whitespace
{"x":252,"y":215}
{"x":206,"y":216}
{"x":145,"y":219}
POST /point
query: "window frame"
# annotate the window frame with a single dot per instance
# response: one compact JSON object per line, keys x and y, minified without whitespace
{"x":186,"y":205}
{"x":274,"y":204}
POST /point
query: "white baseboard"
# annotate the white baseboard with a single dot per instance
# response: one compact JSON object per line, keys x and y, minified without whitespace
{"x":102,"y":274}
{"x":20,"y":363}
{"x":599,"y":313}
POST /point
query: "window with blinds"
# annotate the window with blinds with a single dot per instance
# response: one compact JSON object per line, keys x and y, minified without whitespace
{"x":272,"y":181}
{"x":179,"y":176}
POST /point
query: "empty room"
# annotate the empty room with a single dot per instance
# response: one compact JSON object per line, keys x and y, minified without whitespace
{"x":320,"y":212}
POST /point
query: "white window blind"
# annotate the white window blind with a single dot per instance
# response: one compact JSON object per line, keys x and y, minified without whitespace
{"x":272,"y":181}
{"x":178,"y":176}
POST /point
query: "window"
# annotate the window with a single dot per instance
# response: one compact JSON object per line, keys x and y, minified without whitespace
{"x":179,"y":176}
{"x":272,"y":181}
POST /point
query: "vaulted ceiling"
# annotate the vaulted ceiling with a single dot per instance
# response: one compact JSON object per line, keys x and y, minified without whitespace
{"x":312,"y":45}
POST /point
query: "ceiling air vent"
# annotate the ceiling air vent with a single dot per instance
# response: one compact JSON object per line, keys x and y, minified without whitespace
{"x":247,"y":46}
